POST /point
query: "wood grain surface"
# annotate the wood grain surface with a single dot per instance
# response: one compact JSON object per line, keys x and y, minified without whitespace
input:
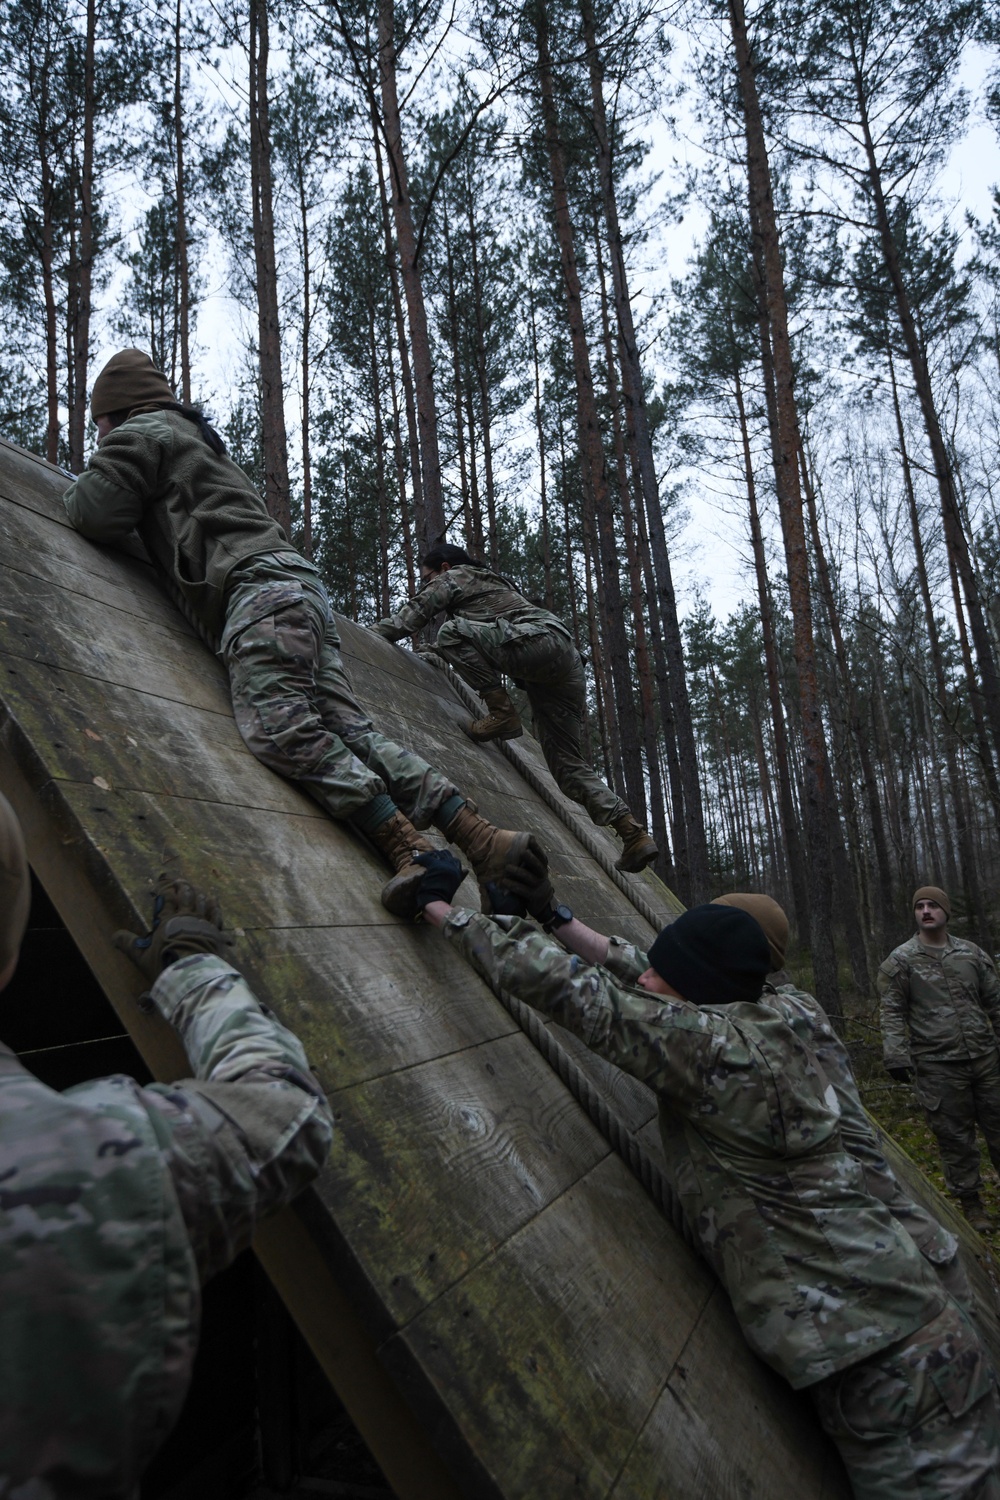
{"x":496,"y":1300}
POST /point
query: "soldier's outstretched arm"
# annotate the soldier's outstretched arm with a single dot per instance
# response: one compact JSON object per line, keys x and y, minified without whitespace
{"x":106,"y":502}
{"x":252,"y":1128}
{"x":418,"y":611}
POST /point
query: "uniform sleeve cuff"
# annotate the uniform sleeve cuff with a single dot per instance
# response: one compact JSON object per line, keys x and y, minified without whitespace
{"x":187,"y":974}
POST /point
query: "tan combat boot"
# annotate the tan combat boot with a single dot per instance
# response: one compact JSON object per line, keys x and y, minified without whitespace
{"x":399,"y":841}
{"x":501,"y":723}
{"x":972,"y":1208}
{"x":491,"y":850}
{"x":639,"y":849}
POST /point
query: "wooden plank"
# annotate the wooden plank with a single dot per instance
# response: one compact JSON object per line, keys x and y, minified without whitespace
{"x":437,"y":1164}
{"x":590,"y":1304}
{"x":108,"y":645}
{"x":727,"y":1459}
{"x":59,"y":558}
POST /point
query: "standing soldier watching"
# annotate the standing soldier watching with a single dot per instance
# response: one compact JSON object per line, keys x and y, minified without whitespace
{"x":162,"y":471}
{"x":118,"y":1201}
{"x":940,"y":1022}
{"x":492,"y":630}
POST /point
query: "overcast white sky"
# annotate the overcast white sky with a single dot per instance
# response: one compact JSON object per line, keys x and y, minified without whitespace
{"x":711,"y":553}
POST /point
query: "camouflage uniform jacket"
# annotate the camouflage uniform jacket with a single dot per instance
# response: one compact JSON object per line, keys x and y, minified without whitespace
{"x":819,"y":1274}
{"x":948,"y":999}
{"x":116,"y":1202}
{"x":809,"y":1020}
{"x":466,"y":593}
{"x":195,"y":510}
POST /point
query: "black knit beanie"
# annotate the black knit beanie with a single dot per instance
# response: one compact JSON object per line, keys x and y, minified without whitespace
{"x":713,"y":955}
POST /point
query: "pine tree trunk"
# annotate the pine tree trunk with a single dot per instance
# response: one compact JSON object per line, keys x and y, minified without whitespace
{"x":550,"y":600}
{"x":181,"y":244}
{"x":815,"y":781}
{"x":306,"y":359}
{"x":974,"y":895}
{"x":789,"y":823}
{"x":84,"y":267}
{"x":430,"y":515}
{"x":277,"y":495}
{"x":954,"y":531}
{"x":591,"y":446}
{"x":482,"y":382}
{"x":637,"y":430}
{"x":405,"y":374}
{"x":886,"y":898}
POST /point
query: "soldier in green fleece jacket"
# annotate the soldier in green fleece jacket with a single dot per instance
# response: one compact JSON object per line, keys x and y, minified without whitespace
{"x":161,"y":470}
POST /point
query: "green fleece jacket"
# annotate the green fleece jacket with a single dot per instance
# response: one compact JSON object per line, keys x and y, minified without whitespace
{"x":195,"y":510}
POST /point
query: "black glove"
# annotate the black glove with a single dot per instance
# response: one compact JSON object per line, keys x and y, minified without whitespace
{"x":501,"y":902}
{"x":532,"y":887}
{"x":901,"y":1075}
{"x":444,"y":876}
{"x":185,"y":921}
{"x":529,"y":874}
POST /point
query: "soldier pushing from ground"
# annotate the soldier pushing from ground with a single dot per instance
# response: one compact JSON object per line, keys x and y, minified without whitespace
{"x":162,"y":471}
{"x":492,"y":630}
{"x":119,"y":1201}
{"x":829,"y":1290}
{"x":809,"y":1021}
{"x":940,"y":1023}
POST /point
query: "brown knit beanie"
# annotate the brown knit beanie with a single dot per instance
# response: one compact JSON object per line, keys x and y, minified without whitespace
{"x":770,"y":916}
{"x":129,"y":379}
{"x":15,"y":884}
{"x":932,"y":893}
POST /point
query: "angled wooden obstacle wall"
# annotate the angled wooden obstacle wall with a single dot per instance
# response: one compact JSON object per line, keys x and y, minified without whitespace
{"x":498,"y":1304}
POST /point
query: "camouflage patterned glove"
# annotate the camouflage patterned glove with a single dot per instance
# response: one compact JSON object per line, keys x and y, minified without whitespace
{"x":901,"y":1074}
{"x":185,"y":921}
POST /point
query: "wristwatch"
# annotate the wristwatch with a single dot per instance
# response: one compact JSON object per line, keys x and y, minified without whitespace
{"x":558,"y":917}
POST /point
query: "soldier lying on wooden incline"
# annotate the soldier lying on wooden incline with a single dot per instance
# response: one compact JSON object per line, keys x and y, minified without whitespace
{"x":119,"y":1201}
{"x":828,"y":1288}
{"x":492,"y":630}
{"x":161,"y":470}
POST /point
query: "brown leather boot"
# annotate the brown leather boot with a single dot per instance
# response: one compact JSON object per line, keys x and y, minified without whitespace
{"x":501,"y":723}
{"x":972,"y":1208}
{"x":399,"y":841}
{"x":639,"y":849}
{"x":491,"y":851}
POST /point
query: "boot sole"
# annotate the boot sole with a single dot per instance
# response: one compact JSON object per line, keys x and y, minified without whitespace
{"x":632,"y":864}
{"x":399,"y":896}
{"x":500,"y":734}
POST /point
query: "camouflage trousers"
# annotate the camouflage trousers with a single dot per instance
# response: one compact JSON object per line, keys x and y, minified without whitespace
{"x":956,"y":1096}
{"x":297,"y":713}
{"x":919,"y":1420}
{"x":548,"y":666}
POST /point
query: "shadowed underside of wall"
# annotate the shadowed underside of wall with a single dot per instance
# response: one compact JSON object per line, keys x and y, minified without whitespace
{"x":495,"y":1298}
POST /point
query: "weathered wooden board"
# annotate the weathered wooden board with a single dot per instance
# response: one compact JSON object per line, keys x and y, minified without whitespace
{"x":500,"y":1306}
